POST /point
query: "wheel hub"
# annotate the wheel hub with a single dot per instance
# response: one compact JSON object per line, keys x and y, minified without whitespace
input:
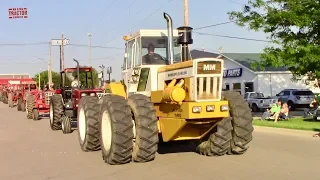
{"x":106,"y":132}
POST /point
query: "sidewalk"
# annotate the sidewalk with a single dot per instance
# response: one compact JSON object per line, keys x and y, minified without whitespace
{"x":282,"y":131}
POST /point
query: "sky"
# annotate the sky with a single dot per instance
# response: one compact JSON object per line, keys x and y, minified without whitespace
{"x":108,"y":21}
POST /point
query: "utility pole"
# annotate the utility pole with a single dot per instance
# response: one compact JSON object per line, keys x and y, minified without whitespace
{"x":50,"y":67}
{"x":89,"y":35}
{"x":62,"y":51}
{"x":186,"y":12}
{"x":62,"y":57}
{"x":109,"y":71}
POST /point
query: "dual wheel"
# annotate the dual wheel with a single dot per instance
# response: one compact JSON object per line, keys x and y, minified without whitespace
{"x":124,"y":130}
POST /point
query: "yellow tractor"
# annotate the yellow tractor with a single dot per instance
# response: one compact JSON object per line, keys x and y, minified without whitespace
{"x":165,"y":96}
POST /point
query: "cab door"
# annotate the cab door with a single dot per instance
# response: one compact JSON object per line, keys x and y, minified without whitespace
{"x":130,"y":56}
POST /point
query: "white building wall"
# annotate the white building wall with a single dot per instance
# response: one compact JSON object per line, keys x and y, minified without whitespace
{"x":247,"y":76}
{"x":272,"y":83}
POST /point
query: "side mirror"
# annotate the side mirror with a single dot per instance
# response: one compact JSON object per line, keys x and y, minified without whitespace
{"x":277,"y":94}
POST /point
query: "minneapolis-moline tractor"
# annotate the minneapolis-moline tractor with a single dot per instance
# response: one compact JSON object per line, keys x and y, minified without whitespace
{"x":165,"y":96}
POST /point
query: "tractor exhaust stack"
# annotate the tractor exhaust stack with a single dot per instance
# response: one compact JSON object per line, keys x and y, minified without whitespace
{"x":78,"y":69}
{"x":170,"y":37}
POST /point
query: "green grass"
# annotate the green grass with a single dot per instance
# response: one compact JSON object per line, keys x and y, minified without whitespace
{"x":293,"y":123}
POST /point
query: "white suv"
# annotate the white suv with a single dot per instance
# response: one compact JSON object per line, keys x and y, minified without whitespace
{"x":296,"y":97}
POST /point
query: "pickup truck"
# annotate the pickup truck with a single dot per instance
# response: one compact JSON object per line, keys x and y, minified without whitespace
{"x":257,"y":101}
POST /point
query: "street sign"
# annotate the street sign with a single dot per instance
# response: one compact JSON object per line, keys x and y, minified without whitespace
{"x":18,"y":13}
{"x":58,"y":42}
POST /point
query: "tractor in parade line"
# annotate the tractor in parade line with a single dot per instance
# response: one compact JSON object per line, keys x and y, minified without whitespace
{"x":37,"y":102}
{"x":64,"y":103}
{"x":165,"y":93}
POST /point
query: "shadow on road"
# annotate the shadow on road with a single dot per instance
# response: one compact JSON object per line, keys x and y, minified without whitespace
{"x":178,"y":146}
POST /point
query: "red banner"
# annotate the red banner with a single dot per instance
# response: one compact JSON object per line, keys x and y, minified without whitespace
{"x":18,"y":13}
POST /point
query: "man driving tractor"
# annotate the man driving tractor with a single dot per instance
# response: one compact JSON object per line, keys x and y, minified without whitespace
{"x":75,"y":82}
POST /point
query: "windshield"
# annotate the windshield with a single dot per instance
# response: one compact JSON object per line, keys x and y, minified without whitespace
{"x":154,"y":50}
{"x":84,"y":81}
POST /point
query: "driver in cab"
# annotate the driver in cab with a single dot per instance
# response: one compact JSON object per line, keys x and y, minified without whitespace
{"x":152,"y":57}
{"x":75,"y":83}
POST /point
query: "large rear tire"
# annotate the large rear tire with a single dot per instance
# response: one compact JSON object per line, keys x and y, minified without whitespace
{"x":88,"y":123}
{"x":241,"y":122}
{"x":56,"y":112}
{"x":30,"y":105}
{"x":116,"y":133}
{"x":145,"y":128}
{"x":218,"y":143}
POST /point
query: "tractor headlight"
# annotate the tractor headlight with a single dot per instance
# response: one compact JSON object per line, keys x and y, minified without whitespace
{"x":224,"y":107}
{"x":92,"y":94}
{"x":210,"y":108}
{"x":83,"y":94}
{"x":196,"y":109}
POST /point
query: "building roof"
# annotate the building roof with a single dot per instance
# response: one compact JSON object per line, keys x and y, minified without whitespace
{"x":245,"y":59}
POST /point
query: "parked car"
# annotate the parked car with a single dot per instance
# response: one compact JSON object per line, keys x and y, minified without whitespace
{"x":296,"y":98}
{"x":257,"y":101}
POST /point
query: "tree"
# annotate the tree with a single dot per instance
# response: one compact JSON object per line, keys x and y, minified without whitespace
{"x":293,"y":26}
{"x":44,"y":79}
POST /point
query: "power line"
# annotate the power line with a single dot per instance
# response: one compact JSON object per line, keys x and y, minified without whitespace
{"x":24,"y":44}
{"x":235,"y":2}
{"x":232,"y":37}
{"x":213,"y":25}
{"x":97,"y":46}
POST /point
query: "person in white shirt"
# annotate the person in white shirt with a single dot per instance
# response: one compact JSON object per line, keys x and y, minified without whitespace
{"x":75,"y":82}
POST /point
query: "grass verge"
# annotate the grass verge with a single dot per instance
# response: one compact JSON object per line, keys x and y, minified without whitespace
{"x":293,"y":123}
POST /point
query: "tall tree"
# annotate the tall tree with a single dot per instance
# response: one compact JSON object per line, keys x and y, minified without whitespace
{"x":293,"y":27}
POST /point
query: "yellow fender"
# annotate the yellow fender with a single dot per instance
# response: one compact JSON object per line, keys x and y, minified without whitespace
{"x":116,"y":88}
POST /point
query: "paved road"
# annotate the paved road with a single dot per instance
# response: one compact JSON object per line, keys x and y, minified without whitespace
{"x":29,"y":150}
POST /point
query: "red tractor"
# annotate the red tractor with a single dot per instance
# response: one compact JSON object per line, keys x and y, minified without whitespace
{"x":37,"y":101}
{"x":17,"y":91}
{"x":64,"y":103}
{"x":26,"y":88}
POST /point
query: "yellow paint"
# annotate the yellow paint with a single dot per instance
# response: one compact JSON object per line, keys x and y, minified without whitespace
{"x":116,"y":88}
{"x":184,"y":111}
{"x":181,"y":129}
{"x":176,"y":66}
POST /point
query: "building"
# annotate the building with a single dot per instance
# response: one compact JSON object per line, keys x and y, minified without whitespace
{"x":240,"y":76}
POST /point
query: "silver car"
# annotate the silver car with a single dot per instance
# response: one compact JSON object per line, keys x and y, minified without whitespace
{"x":296,"y":97}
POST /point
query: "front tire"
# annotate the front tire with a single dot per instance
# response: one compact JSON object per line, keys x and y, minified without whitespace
{"x":218,"y":143}
{"x":19,"y":104}
{"x":116,"y":133}
{"x":66,"y":125}
{"x":241,"y":122}
{"x":88,"y":123}
{"x":146,"y":128}
{"x":35,"y":114}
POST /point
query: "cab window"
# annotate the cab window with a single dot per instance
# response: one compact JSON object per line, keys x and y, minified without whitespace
{"x":130,"y":54}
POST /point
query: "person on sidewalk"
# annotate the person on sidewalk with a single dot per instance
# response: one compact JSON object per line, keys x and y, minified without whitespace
{"x":313,"y":108}
{"x":274,"y":109}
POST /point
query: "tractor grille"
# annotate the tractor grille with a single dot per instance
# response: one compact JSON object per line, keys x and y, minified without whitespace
{"x":208,"y":80}
{"x":208,"y":88}
{"x":47,"y":97}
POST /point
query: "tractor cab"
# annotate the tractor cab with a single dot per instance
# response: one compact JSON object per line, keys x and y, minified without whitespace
{"x":72,"y":79}
{"x":147,"y":51}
